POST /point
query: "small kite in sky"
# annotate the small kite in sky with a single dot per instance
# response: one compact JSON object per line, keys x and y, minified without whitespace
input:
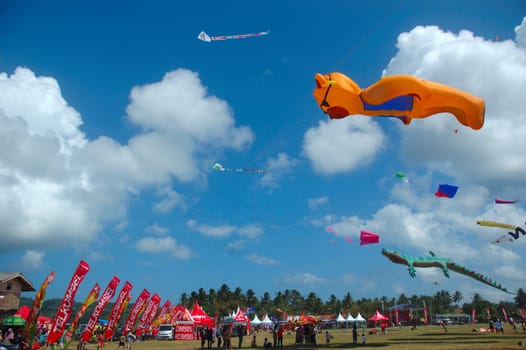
{"x":205,"y":37}
{"x":366,"y":237}
{"x":445,"y":190}
{"x":503,"y":201}
{"x":505,"y":238}
{"x":402,"y":177}
{"x":219,"y":167}
{"x":402,"y":96}
{"x":445,"y":264}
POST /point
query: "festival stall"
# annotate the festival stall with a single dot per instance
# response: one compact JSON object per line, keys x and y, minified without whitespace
{"x":378,"y":317}
{"x":183,"y":322}
{"x":201,"y":319}
{"x":242,"y":319}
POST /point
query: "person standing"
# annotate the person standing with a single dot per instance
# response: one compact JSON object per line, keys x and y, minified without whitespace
{"x":240,"y":331}
{"x":280,"y":337}
{"x":219,"y":331}
{"x":227,"y":335}
{"x":354,"y":336}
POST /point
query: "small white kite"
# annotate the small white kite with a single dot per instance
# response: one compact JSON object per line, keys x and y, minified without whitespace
{"x":205,"y":37}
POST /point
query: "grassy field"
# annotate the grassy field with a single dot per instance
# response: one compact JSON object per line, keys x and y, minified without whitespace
{"x":425,"y":337}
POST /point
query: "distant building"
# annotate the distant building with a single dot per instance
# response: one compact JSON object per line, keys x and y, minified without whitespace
{"x":12,"y":285}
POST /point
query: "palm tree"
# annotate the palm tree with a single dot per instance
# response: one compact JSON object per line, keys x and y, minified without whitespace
{"x":457,"y":297}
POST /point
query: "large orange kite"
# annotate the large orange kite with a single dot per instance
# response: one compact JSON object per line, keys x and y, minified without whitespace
{"x":403,"y":96}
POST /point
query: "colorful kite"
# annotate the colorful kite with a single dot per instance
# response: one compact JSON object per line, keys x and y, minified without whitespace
{"x":495,"y":224}
{"x":219,"y":167}
{"x":402,"y":96}
{"x":445,"y":190}
{"x":205,"y":37}
{"x":402,"y":177}
{"x":517,"y":231}
{"x":434,"y":261}
{"x":503,"y":201}
{"x":367,"y":237}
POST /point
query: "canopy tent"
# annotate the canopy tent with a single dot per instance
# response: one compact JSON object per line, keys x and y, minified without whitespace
{"x":350,"y":318}
{"x":266,"y":320}
{"x":13,"y":320}
{"x":359,"y":318}
{"x":340,"y":318}
{"x":241,"y":317}
{"x":378,"y":317}
{"x":180,"y":313}
{"x":200,"y":317}
{"x":24,"y":312}
{"x":255,"y":321}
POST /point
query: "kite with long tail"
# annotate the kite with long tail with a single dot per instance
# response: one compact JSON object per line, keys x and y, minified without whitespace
{"x":504,"y":201}
{"x":219,"y":167}
{"x":445,"y":264}
{"x":510,"y":236}
{"x":205,"y":37}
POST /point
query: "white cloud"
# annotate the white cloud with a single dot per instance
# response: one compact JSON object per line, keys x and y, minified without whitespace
{"x":248,"y":231}
{"x":162,"y":245}
{"x":170,"y":200}
{"x":495,"y":71}
{"x":304,"y":278}
{"x":237,"y":245}
{"x":156,"y":229}
{"x":338,"y":146}
{"x":278,"y":168}
{"x":180,"y":106}
{"x":261,"y":260}
{"x":315,"y":203}
{"x":520,"y":34}
{"x":213,"y":231}
{"x":251,"y":231}
{"x":32,"y":260}
{"x":48,"y":167}
{"x":48,"y":115}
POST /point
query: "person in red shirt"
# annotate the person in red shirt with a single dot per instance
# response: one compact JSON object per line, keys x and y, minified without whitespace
{"x":280,"y":337}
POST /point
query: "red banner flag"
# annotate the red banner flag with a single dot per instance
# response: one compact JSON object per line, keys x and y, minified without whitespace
{"x":135,"y":311}
{"x":90,"y":299}
{"x":505,"y":315}
{"x":488,"y":313}
{"x":473,"y":316}
{"x":162,"y":314}
{"x":66,"y":306}
{"x":37,"y":304}
{"x":149,"y":312}
{"x":425,"y":315}
{"x":108,"y":293}
{"x":116,"y":310}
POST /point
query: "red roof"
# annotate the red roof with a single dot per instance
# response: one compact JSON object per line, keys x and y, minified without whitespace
{"x":200,"y":317}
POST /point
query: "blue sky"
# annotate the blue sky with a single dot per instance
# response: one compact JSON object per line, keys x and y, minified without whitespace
{"x":113,"y":113}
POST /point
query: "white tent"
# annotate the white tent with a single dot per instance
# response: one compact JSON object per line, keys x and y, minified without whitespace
{"x":340,"y":318}
{"x":360,"y":318}
{"x":255,"y":321}
{"x":266,"y":320}
{"x":350,"y":318}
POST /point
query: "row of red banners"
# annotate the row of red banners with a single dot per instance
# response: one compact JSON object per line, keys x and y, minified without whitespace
{"x":143,"y":306}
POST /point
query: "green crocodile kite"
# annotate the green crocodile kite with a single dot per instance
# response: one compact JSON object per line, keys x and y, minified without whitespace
{"x":434,"y":261}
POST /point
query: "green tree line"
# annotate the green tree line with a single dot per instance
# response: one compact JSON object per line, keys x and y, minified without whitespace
{"x":225,"y":300}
